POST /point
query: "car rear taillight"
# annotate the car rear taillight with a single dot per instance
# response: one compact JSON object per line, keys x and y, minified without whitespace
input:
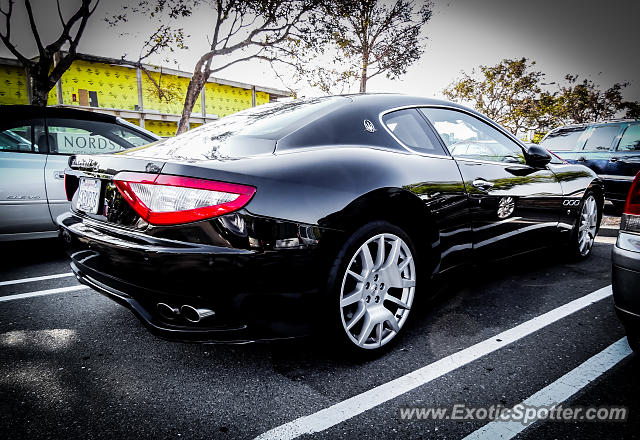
{"x":631,"y":215}
{"x":70,"y":185}
{"x":169,"y":200}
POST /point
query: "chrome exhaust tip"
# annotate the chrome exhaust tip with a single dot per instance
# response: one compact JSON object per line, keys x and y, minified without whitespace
{"x":167,"y":311}
{"x":194,"y":315}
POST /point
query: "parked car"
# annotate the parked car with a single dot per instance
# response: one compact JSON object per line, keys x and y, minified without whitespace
{"x":611,"y":149}
{"x":626,"y":267}
{"x":330,"y":213}
{"x":35,"y":145}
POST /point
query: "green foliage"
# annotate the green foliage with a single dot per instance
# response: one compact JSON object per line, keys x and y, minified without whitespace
{"x":355,"y":40}
{"x":512,"y":93}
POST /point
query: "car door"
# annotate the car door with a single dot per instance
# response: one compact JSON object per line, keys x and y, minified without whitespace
{"x":67,"y":136}
{"x":514,"y":207}
{"x":23,"y":198}
{"x":624,"y":163}
{"x":439,"y":186}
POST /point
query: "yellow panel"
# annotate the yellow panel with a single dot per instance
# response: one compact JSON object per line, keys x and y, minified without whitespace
{"x":134,"y":121}
{"x":175,"y":87}
{"x":115,"y":85}
{"x":13,"y":86}
{"x":262,"y":98}
{"x":193,"y":125}
{"x":222,"y":100}
{"x":161,"y":128}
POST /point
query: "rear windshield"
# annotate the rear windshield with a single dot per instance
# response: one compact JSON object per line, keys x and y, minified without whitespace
{"x":246,"y":133}
{"x":564,"y":139}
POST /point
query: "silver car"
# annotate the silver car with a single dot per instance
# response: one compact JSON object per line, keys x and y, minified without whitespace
{"x":35,"y":145}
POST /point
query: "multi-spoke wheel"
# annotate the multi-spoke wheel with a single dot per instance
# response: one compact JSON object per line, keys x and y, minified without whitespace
{"x":586,"y":227}
{"x":378,"y":285}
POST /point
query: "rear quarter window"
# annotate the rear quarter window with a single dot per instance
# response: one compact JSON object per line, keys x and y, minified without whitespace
{"x":564,"y":139}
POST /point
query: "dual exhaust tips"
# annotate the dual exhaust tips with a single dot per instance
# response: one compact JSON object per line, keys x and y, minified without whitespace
{"x":190,"y":313}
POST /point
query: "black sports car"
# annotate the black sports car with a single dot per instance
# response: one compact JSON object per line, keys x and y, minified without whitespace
{"x":332,"y":212}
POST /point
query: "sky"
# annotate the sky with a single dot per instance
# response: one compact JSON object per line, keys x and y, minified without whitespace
{"x":594,"y":39}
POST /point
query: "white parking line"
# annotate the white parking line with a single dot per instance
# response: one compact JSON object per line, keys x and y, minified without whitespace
{"x":559,"y":391}
{"x":32,"y":279}
{"x":342,"y":411}
{"x":41,"y":293}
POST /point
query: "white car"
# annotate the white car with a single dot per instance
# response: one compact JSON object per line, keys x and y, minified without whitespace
{"x":35,"y":145}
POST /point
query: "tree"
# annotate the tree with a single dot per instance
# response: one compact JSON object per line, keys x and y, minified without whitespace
{"x":356,"y":40}
{"x":583,"y":101}
{"x":509,"y":93}
{"x":40,"y":74}
{"x":512,"y":94}
{"x":241,"y":30}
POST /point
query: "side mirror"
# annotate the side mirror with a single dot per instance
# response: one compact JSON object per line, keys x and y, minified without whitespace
{"x":537,"y":157}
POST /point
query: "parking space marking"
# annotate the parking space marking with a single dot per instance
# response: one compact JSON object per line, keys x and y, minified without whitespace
{"x":42,"y":293}
{"x":346,"y":409}
{"x":32,"y":279}
{"x":558,"y":392}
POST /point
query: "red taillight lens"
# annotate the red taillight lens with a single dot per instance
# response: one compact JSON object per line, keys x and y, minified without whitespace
{"x":70,"y":185}
{"x":170,"y":200}
{"x":631,"y":216}
{"x":633,"y":199}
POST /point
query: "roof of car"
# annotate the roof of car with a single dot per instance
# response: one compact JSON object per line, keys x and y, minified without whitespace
{"x":20,"y":111}
{"x":590,"y":124}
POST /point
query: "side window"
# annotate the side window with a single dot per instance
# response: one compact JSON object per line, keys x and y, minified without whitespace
{"x":601,"y":138}
{"x":412,"y":130}
{"x":73,"y":136}
{"x":467,"y":137}
{"x":564,"y":139}
{"x":630,"y":140}
{"x":16,"y":139}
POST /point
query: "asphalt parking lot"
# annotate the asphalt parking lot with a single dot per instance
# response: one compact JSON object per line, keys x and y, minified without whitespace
{"x":74,"y":364}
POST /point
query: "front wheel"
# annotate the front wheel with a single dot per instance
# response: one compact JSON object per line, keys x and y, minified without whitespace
{"x":584,"y":232}
{"x":373,"y":285}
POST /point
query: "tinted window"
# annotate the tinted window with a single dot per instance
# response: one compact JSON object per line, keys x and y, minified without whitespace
{"x":630,"y":140}
{"x":16,"y":139}
{"x":72,"y":136}
{"x":564,"y":139}
{"x":412,"y":130}
{"x":601,"y":138}
{"x":470,"y":138}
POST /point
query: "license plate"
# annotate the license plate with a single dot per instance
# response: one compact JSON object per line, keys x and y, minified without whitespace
{"x":88,"y":196}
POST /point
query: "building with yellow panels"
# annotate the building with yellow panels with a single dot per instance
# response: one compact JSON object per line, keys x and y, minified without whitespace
{"x":130,"y":93}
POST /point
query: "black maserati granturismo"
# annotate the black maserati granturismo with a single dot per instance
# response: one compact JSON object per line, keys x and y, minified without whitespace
{"x":333,"y":213}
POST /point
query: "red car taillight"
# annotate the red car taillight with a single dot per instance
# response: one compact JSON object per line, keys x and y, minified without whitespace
{"x":631,"y":215}
{"x":70,"y":185}
{"x":170,"y":200}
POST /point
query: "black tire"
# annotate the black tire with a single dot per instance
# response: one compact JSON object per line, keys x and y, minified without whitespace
{"x":574,"y":248}
{"x":346,"y":258}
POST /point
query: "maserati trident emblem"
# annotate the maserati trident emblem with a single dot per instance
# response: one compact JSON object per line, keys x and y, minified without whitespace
{"x":506,"y":205}
{"x":368,"y":125}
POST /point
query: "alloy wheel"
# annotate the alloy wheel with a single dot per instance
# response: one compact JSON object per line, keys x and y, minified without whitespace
{"x":377,"y":291}
{"x":587,"y":226}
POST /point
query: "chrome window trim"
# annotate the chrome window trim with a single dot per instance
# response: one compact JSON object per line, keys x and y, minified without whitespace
{"x":446,"y":155}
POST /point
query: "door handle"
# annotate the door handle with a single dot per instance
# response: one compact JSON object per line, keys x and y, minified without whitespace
{"x":482,"y":184}
{"x":613,"y":159}
{"x":581,"y":159}
{"x":58,"y":175}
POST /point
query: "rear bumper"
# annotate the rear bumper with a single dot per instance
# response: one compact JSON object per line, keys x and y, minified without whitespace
{"x":257,"y":293}
{"x":626,"y":279}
